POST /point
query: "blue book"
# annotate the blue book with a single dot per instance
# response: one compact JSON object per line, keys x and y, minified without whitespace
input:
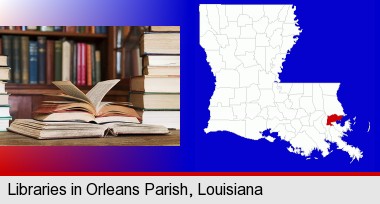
{"x":98,"y":29}
{"x":33,"y":62}
{"x":41,"y":42}
{"x":103,"y":29}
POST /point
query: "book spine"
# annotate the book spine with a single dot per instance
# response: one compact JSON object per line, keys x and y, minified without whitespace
{"x":93,"y":64}
{"x":74,"y":63}
{"x":79,"y":62}
{"x":31,"y":28}
{"x":41,"y":59}
{"x":25,"y":59}
{"x":70,"y":29}
{"x":49,"y":61}
{"x":104,"y":29}
{"x":89,"y":64}
{"x":58,"y":28}
{"x":46,"y":28}
{"x":66,"y":61}
{"x":92,"y":29}
{"x":7,"y":48}
{"x":83,"y":63}
{"x":58,"y":60}
{"x":16,"y":57}
{"x":98,"y":65}
{"x":1,"y":46}
{"x":98,"y":30}
{"x":33,"y":62}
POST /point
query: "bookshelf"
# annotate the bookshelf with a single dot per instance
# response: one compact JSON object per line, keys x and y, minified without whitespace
{"x":25,"y":98}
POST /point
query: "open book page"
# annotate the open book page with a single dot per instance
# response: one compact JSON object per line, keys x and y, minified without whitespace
{"x":70,"y":89}
{"x":69,"y":98}
{"x":97,"y":93}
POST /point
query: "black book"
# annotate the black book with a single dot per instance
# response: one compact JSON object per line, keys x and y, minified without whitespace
{"x":7,"y":48}
{"x":16,"y":59}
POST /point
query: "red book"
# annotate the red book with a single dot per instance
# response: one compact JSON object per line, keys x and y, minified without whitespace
{"x":79,"y":64}
{"x":84,"y":66}
{"x":50,"y":61}
{"x":70,"y":29}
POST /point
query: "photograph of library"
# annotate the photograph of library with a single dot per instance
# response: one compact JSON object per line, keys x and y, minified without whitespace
{"x":90,"y":85}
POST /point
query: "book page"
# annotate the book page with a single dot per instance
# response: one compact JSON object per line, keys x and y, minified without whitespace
{"x":97,"y":93}
{"x":70,"y":89}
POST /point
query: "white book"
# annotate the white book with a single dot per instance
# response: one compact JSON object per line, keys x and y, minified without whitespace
{"x":66,"y":60}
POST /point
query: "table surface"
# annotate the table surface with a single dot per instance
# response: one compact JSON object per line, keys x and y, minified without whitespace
{"x":172,"y":139}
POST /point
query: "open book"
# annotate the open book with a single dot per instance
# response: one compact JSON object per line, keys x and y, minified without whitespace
{"x":89,"y":107}
{"x":57,"y":130}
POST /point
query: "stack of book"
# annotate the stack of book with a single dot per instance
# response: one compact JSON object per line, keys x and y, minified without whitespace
{"x":156,"y":94}
{"x":42,"y":61}
{"x":4,"y":96}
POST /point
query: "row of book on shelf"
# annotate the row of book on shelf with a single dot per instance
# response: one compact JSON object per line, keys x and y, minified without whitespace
{"x":42,"y":61}
{"x":70,"y":29}
{"x":5,"y":116}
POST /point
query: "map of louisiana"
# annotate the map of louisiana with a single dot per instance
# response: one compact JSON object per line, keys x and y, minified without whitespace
{"x":246,"y":46}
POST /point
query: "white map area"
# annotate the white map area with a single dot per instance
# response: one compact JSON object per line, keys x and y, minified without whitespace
{"x":246,"y":46}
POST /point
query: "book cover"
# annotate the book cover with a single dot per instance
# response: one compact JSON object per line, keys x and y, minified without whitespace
{"x":33,"y":62}
{"x":41,"y":59}
{"x":58,"y":60}
{"x":25,"y":59}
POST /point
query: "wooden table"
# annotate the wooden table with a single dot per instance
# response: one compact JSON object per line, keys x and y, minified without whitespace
{"x":172,"y":139}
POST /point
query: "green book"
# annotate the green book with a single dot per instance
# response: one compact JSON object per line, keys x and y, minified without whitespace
{"x":25,"y":59}
{"x":58,"y":60}
{"x":16,"y":58}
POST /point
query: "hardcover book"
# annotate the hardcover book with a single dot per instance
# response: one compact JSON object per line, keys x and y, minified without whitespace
{"x":16,"y":58}
{"x":155,"y":101}
{"x":164,"y":84}
{"x":57,"y":130}
{"x":25,"y":59}
{"x":3,"y":60}
{"x":41,"y":41}
{"x":165,"y":28}
{"x":5,"y":73}
{"x":160,"y":43}
{"x":33,"y":62}
{"x":85,"y":107}
{"x":58,"y":60}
